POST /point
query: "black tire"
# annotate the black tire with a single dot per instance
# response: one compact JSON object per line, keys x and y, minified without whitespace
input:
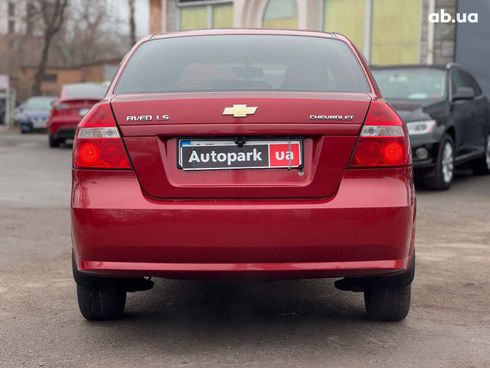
{"x":438,"y":180}
{"x":101,"y":303}
{"x":387,"y":302}
{"x":53,"y":142}
{"x":24,"y":130}
{"x":482,"y":165}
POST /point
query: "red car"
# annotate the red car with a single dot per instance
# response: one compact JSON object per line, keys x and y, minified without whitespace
{"x":72,"y":105}
{"x":243,"y":153}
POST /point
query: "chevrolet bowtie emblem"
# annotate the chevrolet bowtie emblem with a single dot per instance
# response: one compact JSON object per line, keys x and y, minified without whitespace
{"x":239,"y":111}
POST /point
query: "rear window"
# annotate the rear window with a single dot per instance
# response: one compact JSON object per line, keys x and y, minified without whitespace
{"x":411,"y":84}
{"x":84,"y":90}
{"x":39,"y":103}
{"x":243,"y":63}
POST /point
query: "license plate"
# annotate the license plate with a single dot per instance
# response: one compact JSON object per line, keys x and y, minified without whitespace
{"x":39,"y":123}
{"x":83,"y":111}
{"x":197,"y":154}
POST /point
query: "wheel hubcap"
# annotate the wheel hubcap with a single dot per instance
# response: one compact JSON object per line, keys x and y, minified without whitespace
{"x":448,"y":162}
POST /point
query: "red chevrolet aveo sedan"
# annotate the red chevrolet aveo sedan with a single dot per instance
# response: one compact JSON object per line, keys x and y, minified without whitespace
{"x":243,"y":153}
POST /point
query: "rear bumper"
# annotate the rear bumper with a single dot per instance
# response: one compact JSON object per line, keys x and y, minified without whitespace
{"x":430,"y":143}
{"x":365,"y":229}
{"x":29,"y":126}
{"x":245,"y":270}
{"x":65,"y":133}
{"x":63,"y":128}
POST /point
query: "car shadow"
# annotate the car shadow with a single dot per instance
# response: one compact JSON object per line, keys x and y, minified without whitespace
{"x":461,"y":177}
{"x":67,"y":145}
{"x":233,"y":314}
{"x":242,"y":300}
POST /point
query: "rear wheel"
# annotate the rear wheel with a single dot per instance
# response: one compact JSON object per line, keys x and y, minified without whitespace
{"x":54,"y":142}
{"x":387,"y":302}
{"x":101,"y":303}
{"x":482,"y":165}
{"x":443,"y":175}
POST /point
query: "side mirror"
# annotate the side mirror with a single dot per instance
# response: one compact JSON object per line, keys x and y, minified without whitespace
{"x":464,"y":93}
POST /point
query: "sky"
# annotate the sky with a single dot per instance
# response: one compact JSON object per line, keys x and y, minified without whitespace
{"x":120,"y":10}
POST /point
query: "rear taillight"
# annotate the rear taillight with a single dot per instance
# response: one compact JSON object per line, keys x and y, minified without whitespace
{"x":98,"y":144}
{"x":383,"y":140}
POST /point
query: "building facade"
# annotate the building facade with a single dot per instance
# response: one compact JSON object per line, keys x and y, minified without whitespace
{"x":20,"y":37}
{"x":17,"y":17}
{"x":386,"y":31}
{"x":13,"y":17}
{"x":55,"y":78}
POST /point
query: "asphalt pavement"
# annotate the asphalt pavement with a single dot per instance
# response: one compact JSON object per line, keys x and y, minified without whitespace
{"x":302,"y":323}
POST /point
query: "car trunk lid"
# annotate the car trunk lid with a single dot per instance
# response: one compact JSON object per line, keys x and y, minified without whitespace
{"x":327,"y":124}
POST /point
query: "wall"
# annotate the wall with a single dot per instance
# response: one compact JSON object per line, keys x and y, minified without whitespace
{"x":475,"y":55}
{"x":18,"y":17}
{"x":172,"y":16}
{"x":92,"y":73}
{"x":27,"y":75}
{"x":88,"y":73}
{"x":248,"y":14}
{"x":155,"y":15}
{"x":444,"y":34}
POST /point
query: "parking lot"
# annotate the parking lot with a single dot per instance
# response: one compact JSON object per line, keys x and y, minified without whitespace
{"x":302,"y":323}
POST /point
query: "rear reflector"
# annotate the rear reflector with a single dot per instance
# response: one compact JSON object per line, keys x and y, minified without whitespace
{"x":383,"y":140}
{"x":98,"y":144}
{"x":381,"y":131}
{"x":98,"y":133}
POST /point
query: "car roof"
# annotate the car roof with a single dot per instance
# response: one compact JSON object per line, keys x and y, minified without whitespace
{"x":41,"y":98}
{"x":408,"y":66}
{"x":64,"y":91}
{"x":248,"y":31}
{"x":81,"y":84}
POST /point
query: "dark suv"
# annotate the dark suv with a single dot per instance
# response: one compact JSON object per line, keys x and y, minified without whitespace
{"x":447,"y":115}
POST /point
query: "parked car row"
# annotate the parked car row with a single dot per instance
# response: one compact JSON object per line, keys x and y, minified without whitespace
{"x":446,"y":112}
{"x":59,"y":115}
{"x":33,"y":114}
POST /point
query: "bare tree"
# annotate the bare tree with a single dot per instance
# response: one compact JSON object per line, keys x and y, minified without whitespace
{"x":132,"y":22}
{"x":52,"y":16}
{"x":90,"y":34}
